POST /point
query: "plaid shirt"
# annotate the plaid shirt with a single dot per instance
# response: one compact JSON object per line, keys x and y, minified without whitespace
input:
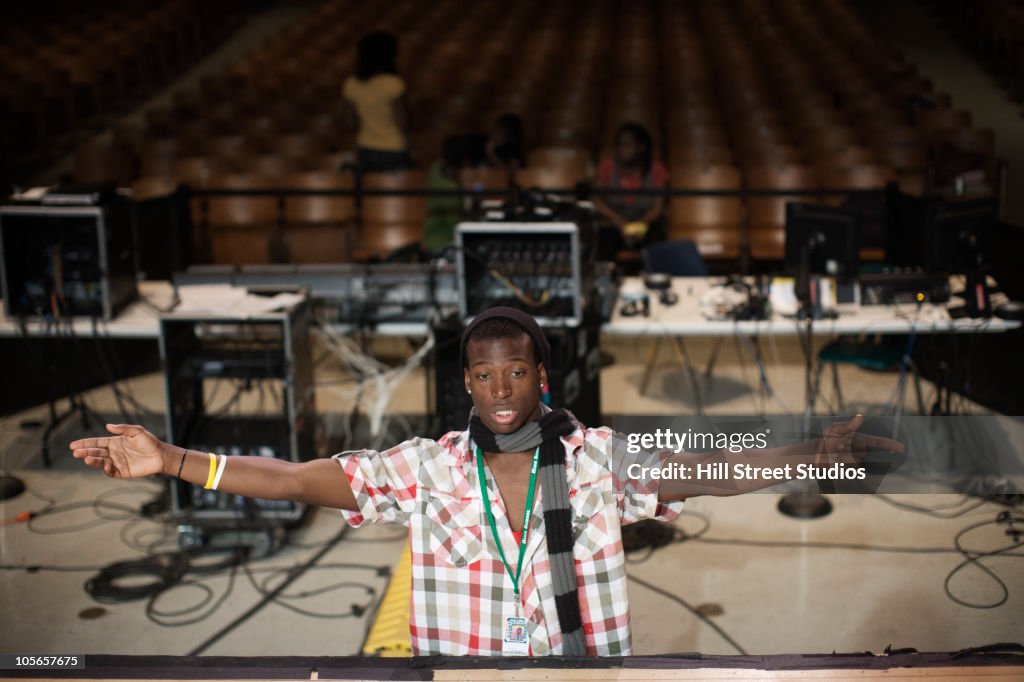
{"x":461,"y":592}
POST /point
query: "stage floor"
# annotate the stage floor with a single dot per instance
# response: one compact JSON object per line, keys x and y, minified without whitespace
{"x":756,"y":574}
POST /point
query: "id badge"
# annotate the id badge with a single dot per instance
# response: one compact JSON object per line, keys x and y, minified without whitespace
{"x":515,"y":640}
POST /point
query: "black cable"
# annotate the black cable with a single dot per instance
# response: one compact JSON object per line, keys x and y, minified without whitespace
{"x":776,"y":544}
{"x":165,"y":569}
{"x":165,"y":534}
{"x":103,"y":499}
{"x":207,"y":417}
{"x":935,"y":512}
{"x":72,"y":506}
{"x":267,"y":598}
{"x":50,"y":502}
{"x":108,"y":347}
{"x":96,"y":505}
{"x":651,"y":535}
{"x":82,"y":385}
{"x":238,"y":556}
{"x":159,"y":617}
{"x":35,"y":568}
{"x":381,"y":570}
{"x":264,"y":589}
{"x":974,"y":557}
{"x":370,"y":541}
{"x":255,"y":515}
{"x":686,"y":605}
{"x":105,"y":365}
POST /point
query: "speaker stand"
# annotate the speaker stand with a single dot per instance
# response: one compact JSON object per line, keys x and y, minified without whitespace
{"x":10,"y":487}
{"x":805,"y":505}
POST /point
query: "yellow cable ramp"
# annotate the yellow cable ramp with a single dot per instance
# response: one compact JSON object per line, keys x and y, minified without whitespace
{"x":389,"y":636}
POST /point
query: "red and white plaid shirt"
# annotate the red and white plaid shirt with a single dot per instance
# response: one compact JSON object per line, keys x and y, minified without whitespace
{"x":461,"y":592}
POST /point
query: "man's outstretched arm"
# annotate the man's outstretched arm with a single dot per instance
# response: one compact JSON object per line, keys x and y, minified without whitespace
{"x":134,"y":452}
{"x":839,"y":443}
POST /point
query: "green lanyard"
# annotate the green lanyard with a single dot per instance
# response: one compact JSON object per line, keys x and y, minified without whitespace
{"x":526,"y":516}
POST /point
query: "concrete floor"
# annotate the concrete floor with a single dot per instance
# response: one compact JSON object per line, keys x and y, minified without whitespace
{"x":769,"y":599}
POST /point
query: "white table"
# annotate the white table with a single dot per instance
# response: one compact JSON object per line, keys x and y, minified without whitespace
{"x":686,"y":319}
{"x":140,"y":319}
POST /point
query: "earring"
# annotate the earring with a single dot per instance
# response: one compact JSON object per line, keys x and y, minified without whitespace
{"x":469,"y":390}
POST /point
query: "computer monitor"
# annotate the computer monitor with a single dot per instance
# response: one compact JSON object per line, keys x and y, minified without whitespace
{"x":941,"y":237}
{"x":958,"y":234}
{"x":828,"y":236}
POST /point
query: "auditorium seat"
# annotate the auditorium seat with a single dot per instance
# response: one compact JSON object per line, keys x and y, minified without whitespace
{"x":270,"y":166}
{"x":319,"y":228}
{"x":699,"y":154}
{"x":847,"y":157}
{"x":100,"y":159}
{"x":750,"y":84}
{"x":976,"y":145}
{"x":229,"y":151}
{"x":714,"y":224}
{"x":302,"y":147}
{"x":388,"y":223}
{"x":872,"y":206}
{"x":242,"y":229}
{"x":157,"y":156}
{"x":767,"y":214}
{"x":574,"y":160}
{"x":549,"y":178}
{"x":146,"y":188}
{"x":936,"y":121}
{"x":484,"y":178}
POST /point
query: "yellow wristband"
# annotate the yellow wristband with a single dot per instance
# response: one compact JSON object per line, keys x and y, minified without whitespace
{"x":213,"y":471}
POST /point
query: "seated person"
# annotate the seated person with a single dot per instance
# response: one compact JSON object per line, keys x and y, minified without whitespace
{"x":635,"y":220}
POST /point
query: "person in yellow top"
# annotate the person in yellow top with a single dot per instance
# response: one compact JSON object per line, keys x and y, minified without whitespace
{"x":376,"y":106}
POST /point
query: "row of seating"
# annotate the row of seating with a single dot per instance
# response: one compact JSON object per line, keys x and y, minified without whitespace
{"x":791,"y":95}
{"x":994,"y":30}
{"x":65,"y":65}
{"x":324,"y":228}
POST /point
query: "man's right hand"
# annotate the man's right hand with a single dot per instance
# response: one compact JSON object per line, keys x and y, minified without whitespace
{"x":133,"y":452}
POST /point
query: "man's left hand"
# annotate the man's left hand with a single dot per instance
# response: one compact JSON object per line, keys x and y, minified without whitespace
{"x":842,"y":443}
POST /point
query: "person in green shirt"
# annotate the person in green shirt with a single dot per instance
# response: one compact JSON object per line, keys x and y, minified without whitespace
{"x":444,"y":212}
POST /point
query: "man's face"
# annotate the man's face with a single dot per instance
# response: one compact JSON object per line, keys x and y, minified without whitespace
{"x":504,"y":379}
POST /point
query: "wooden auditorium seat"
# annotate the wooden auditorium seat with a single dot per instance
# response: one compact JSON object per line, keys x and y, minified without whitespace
{"x":242,"y":229}
{"x":574,"y":160}
{"x":714,"y":224}
{"x":146,"y":188}
{"x":388,"y":223}
{"x":484,"y":178}
{"x":319,"y":228}
{"x":767,"y":214}
{"x":549,"y":178}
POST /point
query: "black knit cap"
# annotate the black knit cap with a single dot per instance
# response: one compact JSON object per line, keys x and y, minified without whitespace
{"x":541,"y":347}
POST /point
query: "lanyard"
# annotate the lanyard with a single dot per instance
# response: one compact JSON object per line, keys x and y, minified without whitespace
{"x":526,"y":516}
